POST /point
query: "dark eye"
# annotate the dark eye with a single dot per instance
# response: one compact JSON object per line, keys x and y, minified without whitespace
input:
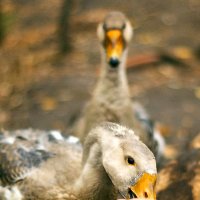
{"x":124,"y":26}
{"x":130,"y":160}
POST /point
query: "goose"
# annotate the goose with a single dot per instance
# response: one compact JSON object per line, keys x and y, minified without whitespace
{"x":39,"y":165}
{"x":111,"y":99}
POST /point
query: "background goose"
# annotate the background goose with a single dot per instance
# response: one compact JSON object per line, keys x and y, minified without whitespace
{"x":111,"y":99}
{"x":42,"y":168}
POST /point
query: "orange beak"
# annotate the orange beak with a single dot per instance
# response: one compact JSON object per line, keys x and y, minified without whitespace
{"x":114,"y":45}
{"x":145,"y":187}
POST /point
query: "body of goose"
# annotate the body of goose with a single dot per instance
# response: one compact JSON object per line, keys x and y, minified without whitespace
{"x":10,"y":193}
{"x":111,"y":98}
{"x":46,"y":166}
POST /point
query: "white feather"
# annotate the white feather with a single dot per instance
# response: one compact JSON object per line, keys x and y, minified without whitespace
{"x":10,"y":193}
{"x":57,"y":135}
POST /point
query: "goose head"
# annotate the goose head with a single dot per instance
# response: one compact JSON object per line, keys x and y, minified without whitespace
{"x":129,"y":164}
{"x":114,"y":33}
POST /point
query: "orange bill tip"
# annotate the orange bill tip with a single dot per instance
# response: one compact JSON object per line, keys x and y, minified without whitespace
{"x":145,"y":187}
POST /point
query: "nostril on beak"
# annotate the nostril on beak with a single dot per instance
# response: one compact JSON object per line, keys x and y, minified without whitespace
{"x":146,"y":195}
{"x":114,"y":62}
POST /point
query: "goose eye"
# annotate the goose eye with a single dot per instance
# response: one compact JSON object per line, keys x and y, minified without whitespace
{"x":124,"y":26}
{"x":130,"y":160}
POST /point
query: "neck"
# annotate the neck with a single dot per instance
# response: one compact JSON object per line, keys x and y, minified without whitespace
{"x":94,"y":183}
{"x":113,"y":80}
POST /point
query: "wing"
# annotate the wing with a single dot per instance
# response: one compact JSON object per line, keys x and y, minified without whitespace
{"x":16,"y":162}
{"x":155,"y":140}
{"x":23,"y":151}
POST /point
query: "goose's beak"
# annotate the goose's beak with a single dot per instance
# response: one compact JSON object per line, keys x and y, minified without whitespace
{"x":114,"y":45}
{"x":145,"y":187}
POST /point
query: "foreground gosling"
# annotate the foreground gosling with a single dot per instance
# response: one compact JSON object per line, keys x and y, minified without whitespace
{"x":47,"y":166}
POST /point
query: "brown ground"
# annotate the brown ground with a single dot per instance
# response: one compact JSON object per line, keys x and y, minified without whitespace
{"x":41,"y":89}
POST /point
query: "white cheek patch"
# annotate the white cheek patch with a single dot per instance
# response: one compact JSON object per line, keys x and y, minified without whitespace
{"x":119,"y":173}
{"x":114,"y":164}
{"x":128,"y":32}
{"x":100,"y":32}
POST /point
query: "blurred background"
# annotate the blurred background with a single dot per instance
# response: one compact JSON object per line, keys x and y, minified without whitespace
{"x":50,"y":61}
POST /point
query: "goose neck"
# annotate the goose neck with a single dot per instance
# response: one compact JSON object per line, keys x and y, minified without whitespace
{"x":113,"y":79}
{"x":94,"y":182}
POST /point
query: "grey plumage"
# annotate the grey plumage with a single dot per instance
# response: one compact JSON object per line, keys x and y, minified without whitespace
{"x":61,"y":171}
{"x":111,"y":98}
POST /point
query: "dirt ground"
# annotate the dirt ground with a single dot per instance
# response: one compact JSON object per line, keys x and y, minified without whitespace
{"x":42,"y":89}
